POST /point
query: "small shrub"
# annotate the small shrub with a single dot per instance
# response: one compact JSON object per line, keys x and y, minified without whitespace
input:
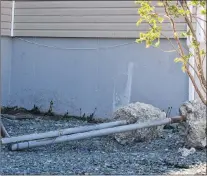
{"x":67,"y":116}
{"x":35,"y":110}
{"x":50,"y":110}
{"x":90,"y":118}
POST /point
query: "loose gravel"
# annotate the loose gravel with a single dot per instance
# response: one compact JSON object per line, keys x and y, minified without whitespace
{"x":97,"y":156}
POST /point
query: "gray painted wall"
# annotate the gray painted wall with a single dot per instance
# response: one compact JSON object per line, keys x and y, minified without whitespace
{"x":104,"y":79}
{"x":6,"y":57}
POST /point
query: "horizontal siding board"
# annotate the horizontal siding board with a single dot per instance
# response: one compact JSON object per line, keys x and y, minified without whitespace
{"x":5,"y":32}
{"x":6,"y":11}
{"x":6,"y":4}
{"x":76,"y":4}
{"x":79,"y":12}
{"x":6,"y":18}
{"x":93,"y":26}
{"x":5,"y":25}
{"x":82,"y":34}
{"x":83,"y":19}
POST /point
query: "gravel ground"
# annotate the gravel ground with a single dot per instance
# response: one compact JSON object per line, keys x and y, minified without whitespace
{"x":97,"y":156}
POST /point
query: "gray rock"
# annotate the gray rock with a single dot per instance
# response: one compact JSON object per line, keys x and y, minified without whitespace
{"x":193,"y":130}
{"x":138,"y":113}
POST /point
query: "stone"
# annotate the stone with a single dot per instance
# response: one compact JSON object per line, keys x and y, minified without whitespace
{"x":185,"y":152}
{"x":193,"y":130}
{"x":138,"y":113}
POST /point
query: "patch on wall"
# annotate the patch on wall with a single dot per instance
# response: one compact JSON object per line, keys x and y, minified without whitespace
{"x":122,"y":88}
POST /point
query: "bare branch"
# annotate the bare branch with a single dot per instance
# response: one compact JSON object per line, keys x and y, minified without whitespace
{"x":197,"y":49}
{"x":174,"y":28}
{"x":201,"y":28}
{"x":196,"y":17}
{"x":197,"y":74}
{"x":196,"y":87}
{"x":204,"y":57}
{"x":198,"y":80}
{"x":168,"y":51}
{"x":196,"y":61}
{"x":200,"y":70}
{"x":169,"y":41}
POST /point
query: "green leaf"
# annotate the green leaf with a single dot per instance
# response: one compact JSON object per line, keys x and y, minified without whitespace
{"x":160,"y":4}
{"x":148,"y":14}
{"x":189,"y":33}
{"x":202,"y":52}
{"x":203,"y":12}
{"x":190,"y":55}
{"x":157,"y":44}
{"x":195,"y":43}
{"x":184,"y":34}
{"x":138,"y":41}
{"x":175,"y":34}
{"x":139,"y":22}
{"x":176,"y":60}
{"x":160,"y":19}
{"x":183,"y":68}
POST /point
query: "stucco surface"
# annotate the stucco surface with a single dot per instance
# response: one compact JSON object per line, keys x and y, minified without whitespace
{"x":87,"y":79}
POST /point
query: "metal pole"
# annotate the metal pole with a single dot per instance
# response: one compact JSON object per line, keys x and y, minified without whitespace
{"x":96,"y":133}
{"x":62,"y":132}
{"x":3,"y":133}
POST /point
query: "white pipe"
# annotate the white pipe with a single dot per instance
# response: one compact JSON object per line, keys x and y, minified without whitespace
{"x":12,"y":19}
{"x":89,"y":134}
{"x":61,"y":132}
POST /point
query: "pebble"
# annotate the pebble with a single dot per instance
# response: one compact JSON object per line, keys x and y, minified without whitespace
{"x":96,"y":156}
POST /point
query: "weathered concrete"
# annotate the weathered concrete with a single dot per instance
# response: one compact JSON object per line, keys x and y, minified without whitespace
{"x":137,"y":113}
{"x":194,"y":129}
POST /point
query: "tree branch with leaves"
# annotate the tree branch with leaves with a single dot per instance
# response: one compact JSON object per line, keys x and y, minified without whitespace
{"x":175,"y":10}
